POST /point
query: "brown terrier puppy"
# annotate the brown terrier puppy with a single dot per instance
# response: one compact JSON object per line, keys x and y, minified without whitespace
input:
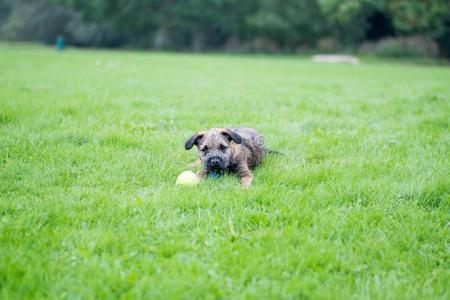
{"x":228,"y":150}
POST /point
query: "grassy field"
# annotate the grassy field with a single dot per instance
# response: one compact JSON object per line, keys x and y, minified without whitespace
{"x":91,"y":143}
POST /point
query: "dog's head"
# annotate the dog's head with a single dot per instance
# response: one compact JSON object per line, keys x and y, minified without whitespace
{"x":214,"y":147}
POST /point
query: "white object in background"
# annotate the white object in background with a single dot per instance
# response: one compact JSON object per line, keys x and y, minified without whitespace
{"x":335,"y":58}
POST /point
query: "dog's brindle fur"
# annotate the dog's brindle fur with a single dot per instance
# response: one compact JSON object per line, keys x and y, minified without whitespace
{"x":234,"y":150}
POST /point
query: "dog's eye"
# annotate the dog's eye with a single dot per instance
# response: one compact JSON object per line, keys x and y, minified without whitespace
{"x":204,"y":149}
{"x":222,"y":147}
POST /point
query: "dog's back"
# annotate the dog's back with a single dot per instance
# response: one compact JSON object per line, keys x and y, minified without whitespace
{"x":254,"y":143}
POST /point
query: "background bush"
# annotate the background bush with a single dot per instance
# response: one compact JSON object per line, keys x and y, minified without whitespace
{"x":413,"y":47}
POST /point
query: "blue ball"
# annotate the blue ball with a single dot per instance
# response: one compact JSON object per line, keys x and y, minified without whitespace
{"x":214,"y":175}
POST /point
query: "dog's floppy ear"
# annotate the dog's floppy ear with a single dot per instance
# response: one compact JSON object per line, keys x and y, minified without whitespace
{"x":231,"y":135}
{"x":193,"y":140}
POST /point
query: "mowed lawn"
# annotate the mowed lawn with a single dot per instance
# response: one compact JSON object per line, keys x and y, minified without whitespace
{"x":91,"y":142}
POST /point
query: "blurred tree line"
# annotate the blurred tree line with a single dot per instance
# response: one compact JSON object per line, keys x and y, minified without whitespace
{"x":233,"y":25}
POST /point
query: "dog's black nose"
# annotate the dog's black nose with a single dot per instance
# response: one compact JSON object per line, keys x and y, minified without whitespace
{"x":215,"y":162}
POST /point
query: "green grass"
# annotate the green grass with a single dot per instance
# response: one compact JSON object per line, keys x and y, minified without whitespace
{"x":91,"y":143}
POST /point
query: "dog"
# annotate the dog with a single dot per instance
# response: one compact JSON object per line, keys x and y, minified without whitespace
{"x":233,"y":150}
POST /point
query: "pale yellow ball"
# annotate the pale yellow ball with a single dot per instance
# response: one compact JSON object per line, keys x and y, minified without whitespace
{"x":187,"y":178}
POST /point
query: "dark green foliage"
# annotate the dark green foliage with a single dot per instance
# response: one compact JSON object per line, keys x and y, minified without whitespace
{"x":251,"y":25}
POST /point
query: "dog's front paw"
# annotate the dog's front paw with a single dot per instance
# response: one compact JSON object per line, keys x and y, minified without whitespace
{"x":246,"y":182}
{"x":201,"y":174}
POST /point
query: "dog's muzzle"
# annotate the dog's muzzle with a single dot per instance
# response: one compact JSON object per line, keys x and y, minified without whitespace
{"x":214,"y":163}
